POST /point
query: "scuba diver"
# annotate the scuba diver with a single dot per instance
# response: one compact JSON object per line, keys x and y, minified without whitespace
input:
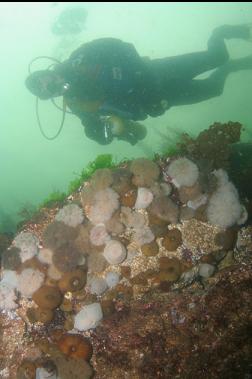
{"x":110,"y":87}
{"x":71,"y":20}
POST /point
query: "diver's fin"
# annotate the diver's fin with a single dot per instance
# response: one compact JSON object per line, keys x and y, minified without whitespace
{"x":249,"y":26}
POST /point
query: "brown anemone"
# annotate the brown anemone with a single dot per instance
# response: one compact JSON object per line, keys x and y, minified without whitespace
{"x":47,"y":297}
{"x":121,"y":180}
{"x":11,"y":258}
{"x":27,"y":370}
{"x":170,"y":269}
{"x":39,"y":314}
{"x":172,"y":240}
{"x":57,"y":234}
{"x":226,"y":239}
{"x":66,"y":257}
{"x":150,"y":249}
{"x":145,"y":172}
{"x":73,"y":281}
{"x":128,"y":199}
{"x":75,"y":346}
{"x":165,"y":209}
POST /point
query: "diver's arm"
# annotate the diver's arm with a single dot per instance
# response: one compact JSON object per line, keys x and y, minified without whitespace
{"x":103,"y":129}
{"x":96,"y":129}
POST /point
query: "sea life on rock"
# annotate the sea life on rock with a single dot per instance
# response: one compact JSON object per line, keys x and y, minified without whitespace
{"x":11,"y":258}
{"x":29,"y":281}
{"x":47,"y":297}
{"x":45,"y":256}
{"x":105,"y":204}
{"x":57,"y":234}
{"x":114,"y":252}
{"x":66,"y":257}
{"x":150,"y":249}
{"x":144,"y":198}
{"x":183,"y":172}
{"x":172,"y":239}
{"x":97,"y":285}
{"x":164,"y":209}
{"x":43,"y":315}
{"x":142,"y":235}
{"x":28,"y":244}
{"x":99,"y":235}
{"x":75,"y":346}
{"x":144,"y":171}
{"x":27,"y":370}
{"x":112,"y":279}
{"x":138,"y":270}
{"x":224,"y":208}
{"x":88,"y":317}
{"x":8,"y":297}
{"x":71,"y":215}
{"x":206,"y":270}
{"x":72,"y":281}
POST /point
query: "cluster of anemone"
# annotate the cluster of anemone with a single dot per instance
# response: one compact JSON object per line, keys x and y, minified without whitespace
{"x":85,"y":248}
{"x":136,"y":200}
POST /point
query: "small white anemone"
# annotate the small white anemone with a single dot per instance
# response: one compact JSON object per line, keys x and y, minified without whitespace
{"x":97,"y":286}
{"x":43,"y":373}
{"x":88,"y":317}
{"x":10,"y":278}
{"x":112,"y":278}
{"x":144,"y":198}
{"x":45,"y":256}
{"x":206,"y":270}
{"x":54,"y":273}
{"x":114,"y":252}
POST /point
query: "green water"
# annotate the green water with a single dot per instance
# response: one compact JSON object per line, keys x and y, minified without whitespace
{"x":32,"y":167}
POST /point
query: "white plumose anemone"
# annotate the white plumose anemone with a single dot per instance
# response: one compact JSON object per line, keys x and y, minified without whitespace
{"x":183,"y":172}
{"x":71,"y":215}
{"x":7,"y":297}
{"x":105,"y":204}
{"x":30,"y":281}
{"x":28,"y":244}
{"x":99,"y":235}
{"x":224,"y":207}
{"x":144,"y":198}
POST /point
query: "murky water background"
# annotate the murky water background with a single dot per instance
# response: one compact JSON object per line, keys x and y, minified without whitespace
{"x":32,"y":167}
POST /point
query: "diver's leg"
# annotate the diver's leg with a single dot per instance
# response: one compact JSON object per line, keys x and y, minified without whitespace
{"x":195,"y":91}
{"x":190,"y":65}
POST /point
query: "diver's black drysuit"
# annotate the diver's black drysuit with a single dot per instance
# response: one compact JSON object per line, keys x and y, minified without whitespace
{"x":110,"y":72}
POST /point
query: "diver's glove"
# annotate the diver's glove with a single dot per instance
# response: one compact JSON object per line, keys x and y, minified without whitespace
{"x":125,"y":130}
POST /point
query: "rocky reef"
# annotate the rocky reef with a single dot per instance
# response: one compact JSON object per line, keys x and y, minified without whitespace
{"x":143,"y":271}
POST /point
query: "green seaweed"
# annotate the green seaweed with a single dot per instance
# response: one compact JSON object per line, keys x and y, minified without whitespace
{"x":58,"y":198}
{"x":102,"y":161}
{"x":55,"y":198}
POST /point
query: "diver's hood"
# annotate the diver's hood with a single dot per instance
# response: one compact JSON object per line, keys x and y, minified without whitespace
{"x":45,"y":84}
